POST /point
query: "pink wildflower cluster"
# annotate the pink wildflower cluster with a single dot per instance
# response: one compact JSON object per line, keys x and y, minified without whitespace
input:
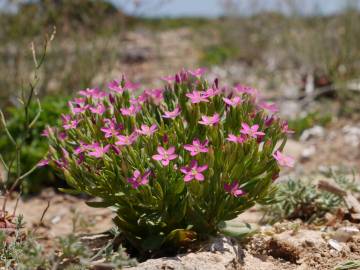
{"x":114,"y":115}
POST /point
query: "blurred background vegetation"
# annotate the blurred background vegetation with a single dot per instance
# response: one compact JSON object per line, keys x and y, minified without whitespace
{"x":291,"y":55}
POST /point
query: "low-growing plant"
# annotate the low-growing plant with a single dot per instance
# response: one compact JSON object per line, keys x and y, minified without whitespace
{"x":303,"y":200}
{"x":174,"y":163}
{"x":299,"y":125}
{"x":352,"y":264}
{"x":344,"y":177}
{"x":22,"y":251}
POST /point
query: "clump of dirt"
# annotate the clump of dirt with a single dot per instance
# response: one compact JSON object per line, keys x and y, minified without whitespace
{"x":302,"y":249}
{"x":283,"y":251}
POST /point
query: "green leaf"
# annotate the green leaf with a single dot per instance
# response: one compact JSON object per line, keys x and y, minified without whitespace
{"x":179,"y":186}
{"x":236,"y":229}
{"x":180,"y":237}
{"x":102,"y":204}
{"x":70,"y":191}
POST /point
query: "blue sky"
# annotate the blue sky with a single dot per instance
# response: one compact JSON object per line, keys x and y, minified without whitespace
{"x":213,"y":8}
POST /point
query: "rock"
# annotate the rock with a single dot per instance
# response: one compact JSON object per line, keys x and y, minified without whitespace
{"x":316,"y":131}
{"x":290,"y":109}
{"x":352,"y":135}
{"x":293,"y":149}
{"x":308,"y":152}
{"x":303,"y":238}
{"x":335,"y":245}
{"x":344,"y":234}
{"x":136,"y":55}
{"x":222,"y":253}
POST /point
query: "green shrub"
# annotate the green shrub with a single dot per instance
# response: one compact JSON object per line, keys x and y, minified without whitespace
{"x":217,"y":55}
{"x":173,"y":163}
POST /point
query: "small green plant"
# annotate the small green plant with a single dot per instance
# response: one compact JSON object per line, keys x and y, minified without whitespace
{"x":173,"y":163}
{"x":344,"y":177}
{"x":22,"y":252}
{"x":11,"y":159}
{"x":348,"y":265}
{"x":34,"y":146}
{"x":217,"y":55}
{"x":308,"y":121}
{"x":301,"y":199}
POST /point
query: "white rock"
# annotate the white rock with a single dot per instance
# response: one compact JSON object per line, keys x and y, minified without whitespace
{"x":219,"y":254}
{"x":352,"y":135}
{"x":308,"y":152}
{"x":315,"y":131}
{"x":335,"y":244}
{"x":293,"y":148}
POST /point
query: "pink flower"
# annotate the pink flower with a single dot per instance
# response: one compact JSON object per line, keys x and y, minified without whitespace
{"x":234,"y":189}
{"x":182,"y":76}
{"x":43,"y":163}
{"x":131,"y":111}
{"x":144,"y":97}
{"x":78,"y":105}
{"x":46,"y":132}
{"x":172,"y":114}
{"x":95,"y":93}
{"x":156,"y":95}
{"x":110,"y":132}
{"x":115,"y":86}
{"x":193,"y":171}
{"x":83,"y":148}
{"x":79,"y":101}
{"x":269,"y":120}
{"x":62,"y":136}
{"x":69,"y":123}
{"x":168,"y":79}
{"x":131,"y":86}
{"x":197,"y":72}
{"x":285,"y":128}
{"x":283,"y":160}
{"x":98,"y":151}
{"x":79,"y":108}
{"x":146,"y":130}
{"x":236,"y":139}
{"x":112,"y":129}
{"x":196,"y":97}
{"x":251,"y":131}
{"x":211,"y":92}
{"x":242,"y":89}
{"x":210,"y":120}
{"x":126,"y":140}
{"x":233,"y":102}
{"x":271,"y":107}
{"x":139,"y":180}
{"x":197,"y":147}
{"x":63,"y":162}
{"x":99,"y":109}
{"x":165,"y":155}
{"x":112,"y":123}
{"x":116,"y":149}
